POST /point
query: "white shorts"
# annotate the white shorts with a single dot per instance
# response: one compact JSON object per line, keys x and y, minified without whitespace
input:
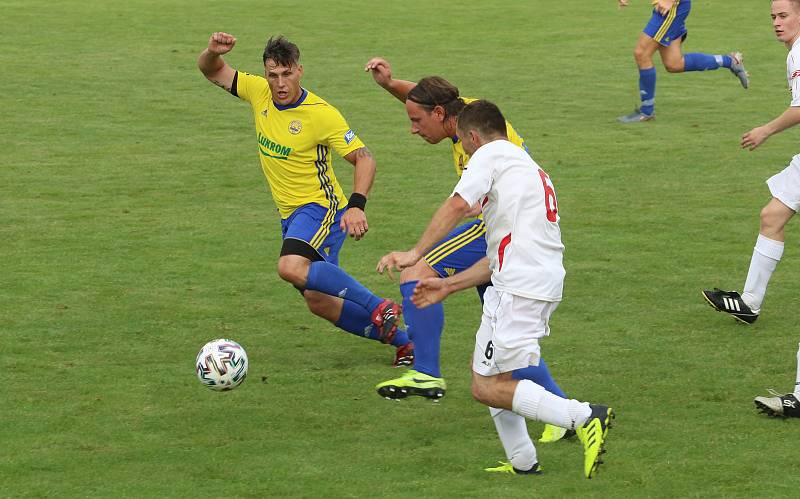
{"x":785,"y":185}
{"x":508,"y":338}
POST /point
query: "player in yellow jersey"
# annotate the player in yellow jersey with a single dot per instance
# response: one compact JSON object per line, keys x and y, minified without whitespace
{"x":295,"y":131}
{"x":432,"y":106}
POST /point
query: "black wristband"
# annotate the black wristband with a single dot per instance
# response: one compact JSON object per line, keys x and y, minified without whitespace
{"x":357,"y":201}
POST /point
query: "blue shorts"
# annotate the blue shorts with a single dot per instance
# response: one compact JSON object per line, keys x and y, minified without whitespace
{"x":459,"y":250}
{"x":665,"y":29}
{"x":319,"y":227}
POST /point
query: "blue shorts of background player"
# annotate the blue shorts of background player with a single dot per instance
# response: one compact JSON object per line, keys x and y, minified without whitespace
{"x":665,"y":28}
{"x":313,"y":232}
{"x":665,"y":33}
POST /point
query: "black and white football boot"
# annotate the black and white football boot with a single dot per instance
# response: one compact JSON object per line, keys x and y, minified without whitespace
{"x":780,"y":406}
{"x":731,"y":303}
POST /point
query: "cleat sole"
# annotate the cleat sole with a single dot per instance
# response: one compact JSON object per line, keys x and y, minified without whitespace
{"x":397,"y":393}
{"x":765,"y":409}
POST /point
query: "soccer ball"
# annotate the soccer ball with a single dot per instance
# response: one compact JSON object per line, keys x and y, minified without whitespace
{"x":221,"y":364}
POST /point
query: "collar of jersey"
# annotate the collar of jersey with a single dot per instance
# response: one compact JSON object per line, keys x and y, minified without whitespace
{"x":293,"y":104}
{"x":454,"y":138}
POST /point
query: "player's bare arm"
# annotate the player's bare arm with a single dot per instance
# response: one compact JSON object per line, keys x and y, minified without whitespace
{"x":435,"y":289}
{"x":759,"y":135}
{"x":444,"y":220}
{"x":211,"y":64}
{"x":354,"y":220}
{"x":623,"y":3}
{"x":381,"y":72}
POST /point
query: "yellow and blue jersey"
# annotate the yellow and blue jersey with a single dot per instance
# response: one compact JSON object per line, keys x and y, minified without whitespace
{"x":294,"y":143}
{"x":460,"y":156}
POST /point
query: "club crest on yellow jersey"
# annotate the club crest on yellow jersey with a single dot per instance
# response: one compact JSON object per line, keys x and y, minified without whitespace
{"x":295,"y":127}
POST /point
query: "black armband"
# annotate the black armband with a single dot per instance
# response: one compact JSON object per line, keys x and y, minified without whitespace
{"x":357,"y":201}
{"x":234,"y":83}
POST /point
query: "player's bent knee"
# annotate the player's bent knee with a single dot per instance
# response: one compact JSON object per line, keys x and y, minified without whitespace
{"x":482,"y":393}
{"x":292,"y":272}
{"x":642,"y":56}
{"x":674,"y":66}
{"x":772,"y":218}
{"x":766,"y":217}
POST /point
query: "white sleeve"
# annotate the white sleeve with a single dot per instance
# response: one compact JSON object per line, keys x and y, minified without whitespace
{"x":794,"y":77}
{"x":476,"y":181}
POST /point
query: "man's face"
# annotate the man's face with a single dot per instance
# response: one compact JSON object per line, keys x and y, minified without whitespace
{"x":426,"y":123}
{"x":284,"y":82}
{"x":785,"y":21}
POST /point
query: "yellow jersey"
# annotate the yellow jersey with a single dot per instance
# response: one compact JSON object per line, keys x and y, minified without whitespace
{"x":460,"y":157}
{"x":294,"y":143}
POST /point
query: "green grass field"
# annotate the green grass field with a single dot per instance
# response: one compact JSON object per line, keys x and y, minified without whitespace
{"x":136,"y":226}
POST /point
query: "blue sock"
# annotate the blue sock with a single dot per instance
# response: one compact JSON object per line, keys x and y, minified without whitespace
{"x":355,"y":319}
{"x":541,"y":376}
{"x":703,"y":62}
{"x":647,"y":90}
{"x":425,"y":327}
{"x":332,"y":280}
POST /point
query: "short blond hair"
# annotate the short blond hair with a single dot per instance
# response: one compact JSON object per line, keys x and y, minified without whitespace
{"x":795,"y":3}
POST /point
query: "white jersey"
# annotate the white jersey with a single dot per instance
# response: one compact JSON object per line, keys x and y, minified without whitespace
{"x":785,"y":185}
{"x":521,"y":216}
{"x":793,"y":72}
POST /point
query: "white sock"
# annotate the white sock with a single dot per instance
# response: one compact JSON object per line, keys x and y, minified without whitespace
{"x":534,"y":402}
{"x":766,"y":256}
{"x":513,"y":433}
{"x":797,"y":383}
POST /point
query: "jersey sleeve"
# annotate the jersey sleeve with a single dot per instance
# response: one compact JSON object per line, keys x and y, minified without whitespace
{"x":476,"y":180}
{"x":336,"y":133}
{"x":249,"y":87}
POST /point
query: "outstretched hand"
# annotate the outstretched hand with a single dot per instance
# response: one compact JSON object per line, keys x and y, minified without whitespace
{"x":623,"y":3}
{"x":754,"y":138}
{"x":397,"y":260}
{"x":221,"y":43}
{"x":381,"y":70}
{"x":429,"y":291}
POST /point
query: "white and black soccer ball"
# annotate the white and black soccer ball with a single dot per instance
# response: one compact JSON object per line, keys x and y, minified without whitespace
{"x":222,"y":364}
